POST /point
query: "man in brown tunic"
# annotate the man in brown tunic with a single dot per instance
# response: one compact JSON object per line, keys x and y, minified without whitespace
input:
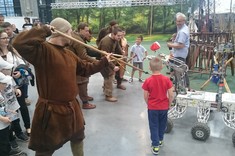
{"x":110,"y":44}
{"x":80,"y":50}
{"x":58,"y":117}
{"x":105,"y":31}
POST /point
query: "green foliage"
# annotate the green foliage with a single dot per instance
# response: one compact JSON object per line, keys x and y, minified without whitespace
{"x":154,"y":37}
{"x":133,"y":19}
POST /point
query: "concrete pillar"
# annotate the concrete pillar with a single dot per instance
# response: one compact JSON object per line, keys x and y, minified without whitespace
{"x":29,"y":8}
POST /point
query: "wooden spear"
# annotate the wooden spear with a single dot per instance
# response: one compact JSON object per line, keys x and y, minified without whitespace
{"x":97,"y":50}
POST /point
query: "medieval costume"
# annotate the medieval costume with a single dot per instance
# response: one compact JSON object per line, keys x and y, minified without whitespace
{"x":58,"y":117}
{"x":82,"y":82}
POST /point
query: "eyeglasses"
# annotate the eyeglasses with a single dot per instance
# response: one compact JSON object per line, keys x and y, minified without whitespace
{"x":5,"y":38}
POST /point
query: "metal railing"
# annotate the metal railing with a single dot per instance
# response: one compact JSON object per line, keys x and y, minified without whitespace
{"x":70,"y":4}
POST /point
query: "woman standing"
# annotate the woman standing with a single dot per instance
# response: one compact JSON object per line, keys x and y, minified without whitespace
{"x":8,"y":53}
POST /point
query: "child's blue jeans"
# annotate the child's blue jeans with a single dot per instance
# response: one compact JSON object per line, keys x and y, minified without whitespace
{"x":157,"y":125}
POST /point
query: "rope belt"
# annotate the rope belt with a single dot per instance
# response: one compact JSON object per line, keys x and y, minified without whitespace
{"x":54,"y":102}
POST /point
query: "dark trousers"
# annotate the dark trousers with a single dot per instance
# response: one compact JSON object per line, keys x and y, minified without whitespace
{"x":157,"y":125}
{"x":23,"y":108}
{"x":4,"y":142}
{"x":15,"y":125}
{"x":118,"y":77}
{"x":25,"y":87}
{"x":83,"y":92}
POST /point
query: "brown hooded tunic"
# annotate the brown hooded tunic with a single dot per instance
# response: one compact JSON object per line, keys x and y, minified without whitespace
{"x":58,"y":116}
{"x":80,"y":51}
{"x":110,"y":46}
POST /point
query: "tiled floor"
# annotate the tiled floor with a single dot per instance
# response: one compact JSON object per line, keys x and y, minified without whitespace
{"x":121,"y":128}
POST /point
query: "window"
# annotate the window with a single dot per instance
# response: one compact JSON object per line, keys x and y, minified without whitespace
{"x":7,"y":7}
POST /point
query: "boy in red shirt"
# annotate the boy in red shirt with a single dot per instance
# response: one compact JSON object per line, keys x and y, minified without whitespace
{"x":158,"y":94}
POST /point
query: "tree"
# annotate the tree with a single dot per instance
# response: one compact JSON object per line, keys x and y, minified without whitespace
{"x":141,"y":19}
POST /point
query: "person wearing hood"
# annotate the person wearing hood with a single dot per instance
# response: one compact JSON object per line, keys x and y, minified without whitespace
{"x":57,"y":117}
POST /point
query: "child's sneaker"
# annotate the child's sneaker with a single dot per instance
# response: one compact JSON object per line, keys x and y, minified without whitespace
{"x":130,"y":80}
{"x":160,"y":143}
{"x":15,"y":152}
{"x":141,"y":80}
{"x":14,"y":144}
{"x":23,"y":137}
{"x":155,"y":150}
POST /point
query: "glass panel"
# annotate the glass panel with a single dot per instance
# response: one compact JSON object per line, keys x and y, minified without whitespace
{"x":7,"y":8}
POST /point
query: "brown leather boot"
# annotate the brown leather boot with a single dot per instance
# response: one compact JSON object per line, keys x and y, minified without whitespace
{"x":89,"y":98}
{"x":88,"y":106}
{"x":121,"y":87}
{"x":111,"y":99}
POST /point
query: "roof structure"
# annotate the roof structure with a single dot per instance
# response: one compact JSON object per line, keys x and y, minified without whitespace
{"x":61,"y":4}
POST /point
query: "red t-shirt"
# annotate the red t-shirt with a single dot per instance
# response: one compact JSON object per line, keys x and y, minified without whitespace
{"x":157,"y":86}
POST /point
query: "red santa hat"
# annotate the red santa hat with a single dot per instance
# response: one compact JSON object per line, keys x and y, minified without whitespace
{"x":155,"y":46}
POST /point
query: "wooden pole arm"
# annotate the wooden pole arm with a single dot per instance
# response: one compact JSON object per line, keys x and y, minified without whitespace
{"x":229,"y":61}
{"x":97,"y":50}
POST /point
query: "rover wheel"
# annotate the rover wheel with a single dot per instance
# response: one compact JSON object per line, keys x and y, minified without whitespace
{"x":233,"y":139}
{"x":169,"y":125}
{"x":200,"y":131}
